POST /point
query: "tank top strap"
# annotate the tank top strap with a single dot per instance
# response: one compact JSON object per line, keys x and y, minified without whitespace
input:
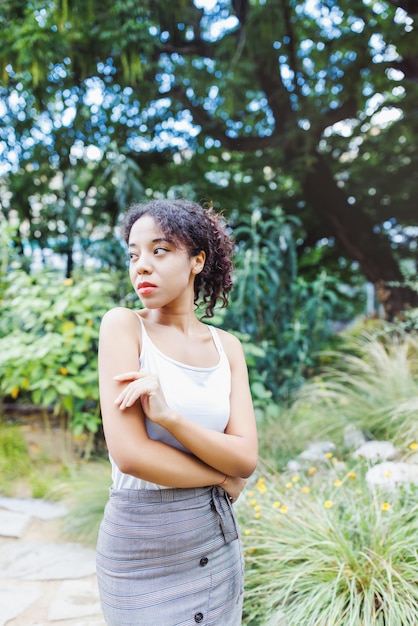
{"x":141,"y":321}
{"x":216,"y":339}
{"x":215,"y":336}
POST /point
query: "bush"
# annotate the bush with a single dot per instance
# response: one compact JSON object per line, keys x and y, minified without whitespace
{"x":286,"y":316}
{"x":373,"y":385}
{"x":85,"y":496}
{"x":14,"y":455}
{"x":48,"y":342}
{"x":322,"y":548}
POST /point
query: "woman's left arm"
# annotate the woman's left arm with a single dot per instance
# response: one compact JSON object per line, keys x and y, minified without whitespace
{"x":233,"y":452}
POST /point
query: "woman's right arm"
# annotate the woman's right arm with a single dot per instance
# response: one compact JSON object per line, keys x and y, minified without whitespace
{"x":125,"y":433}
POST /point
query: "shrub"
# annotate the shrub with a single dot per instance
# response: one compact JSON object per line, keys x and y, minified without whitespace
{"x":374,"y":387}
{"x":48,"y":342}
{"x":322,"y":549}
{"x":14,"y":455}
{"x":85,"y":496}
{"x":286,"y":316}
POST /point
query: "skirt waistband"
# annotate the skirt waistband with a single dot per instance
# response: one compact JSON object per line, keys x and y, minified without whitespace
{"x":218,"y":498}
{"x":149,"y":496}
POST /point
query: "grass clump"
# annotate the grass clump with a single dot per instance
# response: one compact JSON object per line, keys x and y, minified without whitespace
{"x":21,"y":469}
{"x":373,"y":385}
{"x":322,"y":548}
{"x":15,"y":461}
{"x":86,"y":495}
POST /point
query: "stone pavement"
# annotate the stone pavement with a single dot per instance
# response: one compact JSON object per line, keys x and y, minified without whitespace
{"x":44,"y":579}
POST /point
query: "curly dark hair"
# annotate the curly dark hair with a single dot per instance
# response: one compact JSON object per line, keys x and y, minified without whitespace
{"x":196,"y":228}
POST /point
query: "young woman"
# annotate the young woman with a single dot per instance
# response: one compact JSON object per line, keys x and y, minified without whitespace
{"x":179,"y":426}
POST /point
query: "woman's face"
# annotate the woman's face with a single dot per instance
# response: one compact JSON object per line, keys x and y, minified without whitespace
{"x":162,"y":272}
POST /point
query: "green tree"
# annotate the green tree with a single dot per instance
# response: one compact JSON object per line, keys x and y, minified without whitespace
{"x":242,"y":99}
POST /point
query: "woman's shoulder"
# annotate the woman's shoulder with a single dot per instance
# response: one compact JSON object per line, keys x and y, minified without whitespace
{"x":231,"y":344}
{"x":120,"y":330}
{"x":119,"y":315}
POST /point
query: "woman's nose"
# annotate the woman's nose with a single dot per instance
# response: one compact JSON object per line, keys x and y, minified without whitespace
{"x":143,"y":265}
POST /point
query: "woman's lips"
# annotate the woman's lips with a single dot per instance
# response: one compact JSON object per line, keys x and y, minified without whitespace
{"x":145,"y":288}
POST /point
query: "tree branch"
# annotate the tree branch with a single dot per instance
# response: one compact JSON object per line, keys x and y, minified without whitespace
{"x":215,"y":129}
{"x":354,"y":230}
{"x":410,"y":6}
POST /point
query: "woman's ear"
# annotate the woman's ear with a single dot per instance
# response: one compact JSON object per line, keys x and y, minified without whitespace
{"x":199,"y":262}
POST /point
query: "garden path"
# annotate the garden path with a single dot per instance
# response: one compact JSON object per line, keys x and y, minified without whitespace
{"x":44,"y":579}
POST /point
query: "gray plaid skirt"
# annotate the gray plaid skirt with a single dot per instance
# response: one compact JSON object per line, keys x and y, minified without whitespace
{"x":170,"y":557}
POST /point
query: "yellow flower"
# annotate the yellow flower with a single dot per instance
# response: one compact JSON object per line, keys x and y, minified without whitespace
{"x":312,"y":471}
{"x":250,"y":494}
{"x":284,"y":509}
{"x":328,"y":504}
{"x":328,"y":455}
{"x":413,"y":445}
{"x":63,"y":371}
{"x":289,"y":485}
{"x":261,"y":485}
{"x":338,"y":483}
{"x":247,"y":532}
{"x":352,"y":475}
{"x":14,"y":392}
{"x":68,"y":328}
{"x":386,"y":506}
{"x":276,"y":504}
{"x":89,"y":322}
{"x":257,"y":516}
{"x":257,"y":508}
{"x":253,"y":502}
{"x":68,"y":282}
{"x":295,"y":479}
{"x":305,"y":489}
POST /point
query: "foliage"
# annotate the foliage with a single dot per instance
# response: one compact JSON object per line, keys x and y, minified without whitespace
{"x":86,"y":495}
{"x":372,"y":384}
{"x":282,"y":435}
{"x":18,"y":465}
{"x":48,"y":342}
{"x":324,"y":548}
{"x":407,"y":320}
{"x":287,"y":318}
{"x":14,"y":455}
{"x":312,"y":106}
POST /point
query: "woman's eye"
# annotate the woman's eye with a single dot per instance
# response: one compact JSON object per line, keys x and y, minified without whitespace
{"x":159,"y":251}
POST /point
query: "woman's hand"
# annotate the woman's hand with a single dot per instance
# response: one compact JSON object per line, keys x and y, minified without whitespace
{"x":233,"y":485}
{"x":146,"y":388}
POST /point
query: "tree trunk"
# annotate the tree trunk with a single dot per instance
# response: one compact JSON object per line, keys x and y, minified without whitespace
{"x":70,"y":263}
{"x":355,"y":232}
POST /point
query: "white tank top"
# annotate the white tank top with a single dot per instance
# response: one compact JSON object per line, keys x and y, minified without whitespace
{"x":199,"y":394}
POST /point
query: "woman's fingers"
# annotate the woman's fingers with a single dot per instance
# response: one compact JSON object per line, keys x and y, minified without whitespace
{"x":143,"y":384}
{"x":130,"y":395}
{"x":127,"y":376}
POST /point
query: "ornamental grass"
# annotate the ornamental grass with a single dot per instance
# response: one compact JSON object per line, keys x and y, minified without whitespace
{"x":324,"y":549}
{"x":374,"y":387}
